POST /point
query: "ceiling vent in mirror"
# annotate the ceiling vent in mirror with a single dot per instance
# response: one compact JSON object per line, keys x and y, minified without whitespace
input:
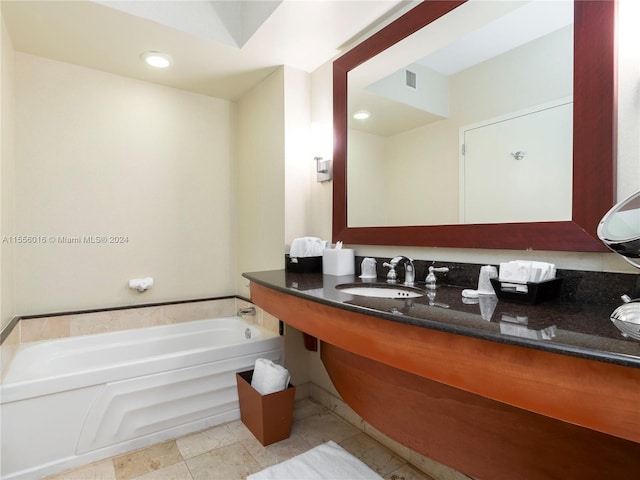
{"x":411,"y":79}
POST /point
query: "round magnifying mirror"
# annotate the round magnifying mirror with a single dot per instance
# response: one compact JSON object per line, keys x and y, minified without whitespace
{"x":619,"y":229}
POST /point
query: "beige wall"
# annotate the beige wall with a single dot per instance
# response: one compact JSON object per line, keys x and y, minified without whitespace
{"x":274,"y":170}
{"x":371,"y":188}
{"x":103,"y":155}
{"x":298,"y":157}
{"x":274,"y":166}
{"x":321,"y":193}
{"x":533,"y":74}
{"x":7,"y":171}
{"x":260,"y":176}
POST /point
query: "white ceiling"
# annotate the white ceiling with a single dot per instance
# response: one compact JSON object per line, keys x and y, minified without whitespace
{"x":220,"y":48}
{"x":230,"y":22}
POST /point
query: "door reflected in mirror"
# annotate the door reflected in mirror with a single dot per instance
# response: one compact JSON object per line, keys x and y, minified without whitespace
{"x":471,"y":120}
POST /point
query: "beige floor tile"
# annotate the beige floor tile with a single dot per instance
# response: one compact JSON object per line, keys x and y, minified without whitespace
{"x":397,"y":448}
{"x":96,"y":471}
{"x":231,"y":452}
{"x":377,"y":457}
{"x":139,"y":462}
{"x":232,"y":462}
{"x":342,"y":410}
{"x":239,"y":430}
{"x":305,"y":408}
{"x":407,"y":472}
{"x":276,"y":452}
{"x":177,"y":471}
{"x":202,"y":442}
{"x":435,"y":469}
{"x":317,"y":429}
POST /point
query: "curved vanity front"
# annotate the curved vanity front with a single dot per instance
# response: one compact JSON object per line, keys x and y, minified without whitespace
{"x":566,"y":382}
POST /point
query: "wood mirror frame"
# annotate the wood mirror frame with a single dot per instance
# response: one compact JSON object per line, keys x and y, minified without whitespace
{"x":594,"y":140}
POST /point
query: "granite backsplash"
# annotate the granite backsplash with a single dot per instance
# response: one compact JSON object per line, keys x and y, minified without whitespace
{"x":577,"y":286}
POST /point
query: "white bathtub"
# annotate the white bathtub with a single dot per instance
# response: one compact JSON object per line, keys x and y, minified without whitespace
{"x":72,"y":401}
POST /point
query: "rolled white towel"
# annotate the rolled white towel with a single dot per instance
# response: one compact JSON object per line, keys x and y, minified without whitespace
{"x":269,"y":377}
{"x":307,"y":247}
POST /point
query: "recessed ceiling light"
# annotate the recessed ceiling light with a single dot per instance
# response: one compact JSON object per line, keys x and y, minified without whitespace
{"x":361,"y":115}
{"x":156,"y":59}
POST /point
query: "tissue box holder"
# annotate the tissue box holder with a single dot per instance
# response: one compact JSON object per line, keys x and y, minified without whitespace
{"x":304,"y":264}
{"x":338,"y":262}
{"x":268,"y":417}
{"x":537,"y":292}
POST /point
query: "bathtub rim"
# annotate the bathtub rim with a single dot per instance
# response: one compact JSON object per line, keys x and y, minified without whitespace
{"x":35,"y":387}
{"x":17,"y":332}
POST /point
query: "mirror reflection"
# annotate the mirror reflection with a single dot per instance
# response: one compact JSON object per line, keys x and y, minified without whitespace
{"x":470,"y":120}
{"x":620,"y":228}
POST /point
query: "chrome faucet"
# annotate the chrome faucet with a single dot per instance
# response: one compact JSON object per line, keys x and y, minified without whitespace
{"x":409,"y":270}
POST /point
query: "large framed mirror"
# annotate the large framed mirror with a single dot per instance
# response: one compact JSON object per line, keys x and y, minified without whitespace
{"x":581,"y":103}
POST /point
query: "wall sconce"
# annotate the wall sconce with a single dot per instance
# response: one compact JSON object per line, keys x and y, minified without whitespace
{"x":322,"y":143}
{"x":324,"y":169}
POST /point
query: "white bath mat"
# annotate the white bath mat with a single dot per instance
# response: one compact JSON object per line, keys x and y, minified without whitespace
{"x":328,"y":461}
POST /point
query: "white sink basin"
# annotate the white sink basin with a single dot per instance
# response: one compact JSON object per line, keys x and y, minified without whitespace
{"x":381,"y":290}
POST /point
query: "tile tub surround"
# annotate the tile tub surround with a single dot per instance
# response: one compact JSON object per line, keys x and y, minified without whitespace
{"x":230,"y":451}
{"x":48,"y":327}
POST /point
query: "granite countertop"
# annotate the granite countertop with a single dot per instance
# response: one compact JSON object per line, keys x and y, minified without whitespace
{"x":570,"y":328}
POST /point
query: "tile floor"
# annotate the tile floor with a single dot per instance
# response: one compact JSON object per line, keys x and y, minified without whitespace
{"x":230,"y":452}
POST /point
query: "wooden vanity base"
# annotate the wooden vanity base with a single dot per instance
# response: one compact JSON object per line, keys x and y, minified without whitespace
{"x":473,"y":434}
{"x":489,"y":409}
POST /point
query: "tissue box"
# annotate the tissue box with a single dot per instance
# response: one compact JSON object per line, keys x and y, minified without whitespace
{"x":304,"y":264}
{"x":268,"y":417}
{"x":341,"y":261}
{"x":537,"y":292}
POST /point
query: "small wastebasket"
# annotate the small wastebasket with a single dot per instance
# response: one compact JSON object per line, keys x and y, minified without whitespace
{"x":268,"y":417}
